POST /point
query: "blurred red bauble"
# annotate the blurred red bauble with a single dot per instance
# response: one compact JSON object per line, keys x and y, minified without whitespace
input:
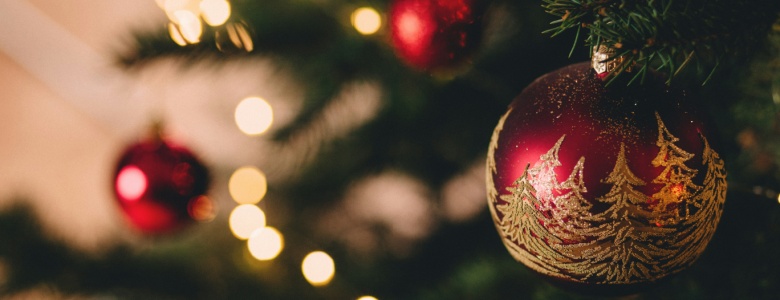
{"x":435,"y":35}
{"x":603,"y":190}
{"x":160,"y":186}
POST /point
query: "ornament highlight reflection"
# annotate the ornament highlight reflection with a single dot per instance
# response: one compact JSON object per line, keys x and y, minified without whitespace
{"x":318,"y":268}
{"x":247,"y":185}
{"x":366,"y":20}
{"x":265,"y":243}
{"x":245,"y":219}
{"x":131,"y":183}
{"x":254,"y":116}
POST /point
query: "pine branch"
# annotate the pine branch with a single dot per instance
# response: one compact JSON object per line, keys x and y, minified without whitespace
{"x":669,"y":36}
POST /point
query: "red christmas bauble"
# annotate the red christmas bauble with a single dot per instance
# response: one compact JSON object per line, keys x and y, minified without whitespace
{"x":435,"y":34}
{"x":603,"y":189}
{"x":160,"y":186}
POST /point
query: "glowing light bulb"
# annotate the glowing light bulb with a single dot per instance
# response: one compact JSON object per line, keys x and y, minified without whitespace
{"x":189,"y":25}
{"x":245,"y":219}
{"x":247,"y":185}
{"x":215,"y":12}
{"x":318,"y":268}
{"x":366,"y":20}
{"x":367,"y":298}
{"x":254,"y":116}
{"x":131,"y":183}
{"x":265,"y":243}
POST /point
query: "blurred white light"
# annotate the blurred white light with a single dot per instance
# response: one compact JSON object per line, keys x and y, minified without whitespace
{"x":245,"y":219}
{"x":366,"y":20}
{"x":173,"y":31}
{"x":254,"y":116}
{"x":189,"y":25}
{"x":318,"y":268}
{"x":215,"y":12}
{"x":265,"y":243}
{"x":247,"y":185}
{"x":172,"y":6}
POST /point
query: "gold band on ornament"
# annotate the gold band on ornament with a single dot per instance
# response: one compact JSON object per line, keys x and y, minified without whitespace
{"x":601,"y":63}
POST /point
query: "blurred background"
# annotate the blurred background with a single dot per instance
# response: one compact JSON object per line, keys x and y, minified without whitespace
{"x":347,"y":150}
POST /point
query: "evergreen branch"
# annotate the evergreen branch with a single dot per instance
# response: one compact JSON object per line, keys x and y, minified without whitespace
{"x":668,"y":35}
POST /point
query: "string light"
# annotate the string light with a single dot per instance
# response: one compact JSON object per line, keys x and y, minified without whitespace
{"x":201,"y":209}
{"x":318,"y":268}
{"x":215,"y":12}
{"x":366,"y":20}
{"x":245,"y":219}
{"x":254,"y":116}
{"x":189,"y":25}
{"x":265,"y":243}
{"x":173,"y":31}
{"x":247,"y":185}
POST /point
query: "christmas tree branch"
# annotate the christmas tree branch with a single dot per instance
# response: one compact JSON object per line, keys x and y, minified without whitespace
{"x":669,"y":36}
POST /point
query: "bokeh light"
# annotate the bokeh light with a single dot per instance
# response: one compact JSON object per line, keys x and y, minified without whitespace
{"x":245,"y":219}
{"x":201,"y":209}
{"x":189,"y":25}
{"x":253,"y":116}
{"x":172,"y":6}
{"x":318,"y":268}
{"x":215,"y":12}
{"x":131,"y":183}
{"x":367,"y":298}
{"x":247,"y":185}
{"x":366,"y":20}
{"x":265,"y":243}
{"x":173,"y":31}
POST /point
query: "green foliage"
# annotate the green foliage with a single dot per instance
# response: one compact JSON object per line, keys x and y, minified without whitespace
{"x":667,"y":35}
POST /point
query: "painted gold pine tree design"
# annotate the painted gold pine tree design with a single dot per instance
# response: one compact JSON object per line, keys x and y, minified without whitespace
{"x":700,"y":226}
{"x":521,"y":224}
{"x":492,"y":193}
{"x":627,"y":252}
{"x":676,"y":177}
{"x":549,"y":226}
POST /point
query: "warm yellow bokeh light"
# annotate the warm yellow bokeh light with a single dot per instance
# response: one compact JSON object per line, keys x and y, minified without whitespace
{"x":245,"y":219}
{"x":173,"y":30}
{"x":265,"y":243}
{"x":215,"y":12}
{"x":367,"y":298}
{"x":778,"y":198}
{"x":254,"y":116}
{"x":172,"y":6}
{"x":366,"y":20}
{"x":318,"y":268}
{"x":189,"y":25}
{"x":247,"y":185}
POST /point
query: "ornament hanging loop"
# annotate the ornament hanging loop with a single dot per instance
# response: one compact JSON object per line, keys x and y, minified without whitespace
{"x":603,"y":65}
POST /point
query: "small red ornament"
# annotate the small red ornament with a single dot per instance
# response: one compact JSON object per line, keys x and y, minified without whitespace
{"x":435,"y":34}
{"x":160,"y":186}
{"x":603,"y":190}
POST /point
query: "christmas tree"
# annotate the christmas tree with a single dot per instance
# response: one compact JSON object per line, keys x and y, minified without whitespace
{"x":374,"y":161}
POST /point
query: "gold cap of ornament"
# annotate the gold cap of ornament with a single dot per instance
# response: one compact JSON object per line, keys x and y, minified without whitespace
{"x":601,"y":62}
